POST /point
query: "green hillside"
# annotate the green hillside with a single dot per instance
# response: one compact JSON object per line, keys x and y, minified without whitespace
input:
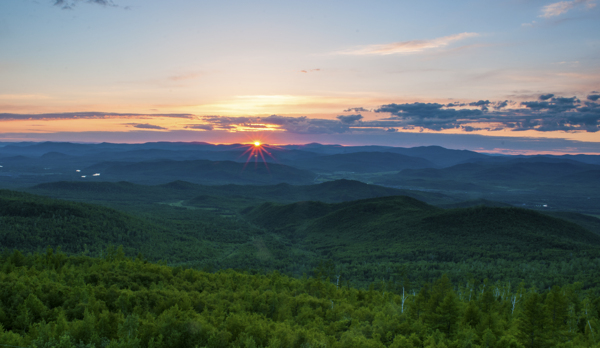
{"x":32,"y":223}
{"x":365,"y":240}
{"x":394,"y":230}
{"x":592,"y":223}
{"x":395,"y":226}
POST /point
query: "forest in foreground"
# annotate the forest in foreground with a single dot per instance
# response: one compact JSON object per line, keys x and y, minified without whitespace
{"x":54,"y":300}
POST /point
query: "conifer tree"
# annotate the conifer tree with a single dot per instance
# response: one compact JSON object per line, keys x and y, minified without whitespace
{"x":533,"y":323}
{"x":556,"y":305}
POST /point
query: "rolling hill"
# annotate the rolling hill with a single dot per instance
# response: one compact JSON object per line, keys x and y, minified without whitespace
{"x":401,"y":229}
{"x":365,"y":239}
{"x":32,"y":223}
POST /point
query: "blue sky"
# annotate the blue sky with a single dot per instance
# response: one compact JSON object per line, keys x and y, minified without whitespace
{"x":334,"y":71}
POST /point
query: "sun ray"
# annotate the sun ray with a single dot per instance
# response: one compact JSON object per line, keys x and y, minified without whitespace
{"x":257,"y":148}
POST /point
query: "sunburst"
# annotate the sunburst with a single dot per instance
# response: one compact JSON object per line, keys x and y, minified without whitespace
{"x":257,"y":150}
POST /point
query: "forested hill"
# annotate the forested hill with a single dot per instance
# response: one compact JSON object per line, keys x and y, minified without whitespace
{"x":32,"y":223}
{"x":363,"y":241}
{"x":29,"y":222}
{"x":401,"y":219}
{"x":402,"y":229}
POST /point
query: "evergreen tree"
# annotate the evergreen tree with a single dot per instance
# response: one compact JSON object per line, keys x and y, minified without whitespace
{"x":556,"y":305}
{"x":533,"y":322}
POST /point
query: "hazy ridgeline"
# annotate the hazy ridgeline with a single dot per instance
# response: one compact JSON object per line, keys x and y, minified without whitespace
{"x":491,"y":251}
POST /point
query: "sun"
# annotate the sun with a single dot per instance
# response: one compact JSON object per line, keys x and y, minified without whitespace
{"x":257,"y":151}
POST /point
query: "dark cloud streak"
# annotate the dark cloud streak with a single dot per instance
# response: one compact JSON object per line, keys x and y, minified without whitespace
{"x":500,"y":105}
{"x":361,"y":109}
{"x":70,"y":4}
{"x":593,"y":97}
{"x":84,"y":115}
{"x":146,"y":126}
{"x":349,"y":119}
{"x":206,"y":127}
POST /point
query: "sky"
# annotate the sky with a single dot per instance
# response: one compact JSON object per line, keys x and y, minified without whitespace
{"x":498,"y":76}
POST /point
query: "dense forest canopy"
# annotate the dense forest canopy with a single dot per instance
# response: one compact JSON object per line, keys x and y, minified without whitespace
{"x":52,"y":300}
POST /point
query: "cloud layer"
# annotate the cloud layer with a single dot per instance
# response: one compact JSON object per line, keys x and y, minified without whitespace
{"x":547,"y":113}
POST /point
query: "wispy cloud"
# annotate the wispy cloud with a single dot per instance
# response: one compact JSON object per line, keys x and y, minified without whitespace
{"x":558,"y":8}
{"x":310,"y":70}
{"x":406,"y":47}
